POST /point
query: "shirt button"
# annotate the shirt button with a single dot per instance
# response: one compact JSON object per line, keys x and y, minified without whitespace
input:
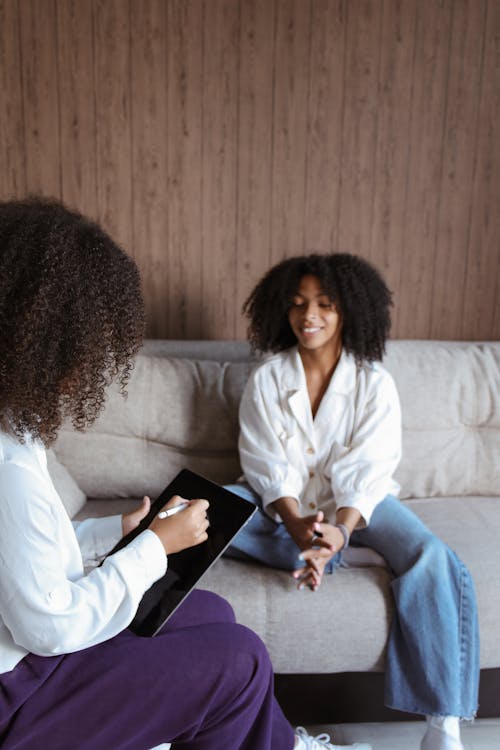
{"x":312,"y":505}
{"x":310,"y":450}
{"x":311,"y":473}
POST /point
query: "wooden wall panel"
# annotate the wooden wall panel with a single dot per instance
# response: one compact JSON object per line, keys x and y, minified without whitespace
{"x":112,"y":77}
{"x":481,"y":308}
{"x":75,"y":54}
{"x":148,"y":101}
{"x":455,"y":192}
{"x":12,"y":151}
{"x":255,"y":149}
{"x":184,"y":138}
{"x":291,"y":79}
{"x":395,"y":74}
{"x":424,"y":166}
{"x":219,"y":166}
{"x":215,"y":137}
{"x":359,"y":126}
{"x":325,"y":117}
{"x":40,"y":89}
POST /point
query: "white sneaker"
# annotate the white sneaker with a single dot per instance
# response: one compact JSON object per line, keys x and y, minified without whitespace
{"x":307,"y":742}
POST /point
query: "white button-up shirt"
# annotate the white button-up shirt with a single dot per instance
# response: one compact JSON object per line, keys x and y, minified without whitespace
{"x":48,"y":605}
{"x":343,"y":457}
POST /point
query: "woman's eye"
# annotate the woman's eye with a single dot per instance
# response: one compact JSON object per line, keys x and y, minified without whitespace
{"x":326,"y":305}
{"x":297,"y":303}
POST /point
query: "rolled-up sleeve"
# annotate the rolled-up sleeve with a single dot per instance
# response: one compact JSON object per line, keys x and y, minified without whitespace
{"x":361,"y":474}
{"x":263,"y":459}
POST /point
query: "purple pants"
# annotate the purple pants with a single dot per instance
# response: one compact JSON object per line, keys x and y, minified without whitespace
{"x":203,"y":682}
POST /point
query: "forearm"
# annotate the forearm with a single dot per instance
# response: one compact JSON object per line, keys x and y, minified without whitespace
{"x":287,"y":508}
{"x":348,"y":517}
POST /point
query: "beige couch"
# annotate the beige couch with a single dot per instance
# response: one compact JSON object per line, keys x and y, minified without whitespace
{"x":181,"y":411}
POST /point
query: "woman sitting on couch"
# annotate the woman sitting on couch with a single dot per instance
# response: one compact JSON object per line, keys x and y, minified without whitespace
{"x":320,"y":438}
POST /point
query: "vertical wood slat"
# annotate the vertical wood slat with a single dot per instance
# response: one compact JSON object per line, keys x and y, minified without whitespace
{"x":424,"y":165}
{"x":12,"y":152}
{"x":255,"y":92}
{"x":291,"y":72}
{"x":455,"y":192}
{"x":325,"y":116}
{"x":76,"y":89}
{"x":481,"y":311}
{"x":359,"y":127}
{"x":40,"y":96}
{"x":113,"y":139}
{"x":219,"y":166}
{"x":184,"y":134}
{"x":394,"y":89}
{"x":148,"y":99}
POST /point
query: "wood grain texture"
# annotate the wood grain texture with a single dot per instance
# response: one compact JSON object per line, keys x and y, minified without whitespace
{"x":184,"y":139}
{"x":291,"y":77}
{"x":40,"y":89}
{"x":75,"y":54}
{"x":148,"y":102}
{"x":112,"y":74}
{"x":255,"y":149}
{"x":12,"y":150}
{"x":214,"y":137}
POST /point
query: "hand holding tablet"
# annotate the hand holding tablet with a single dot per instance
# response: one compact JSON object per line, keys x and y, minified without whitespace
{"x":227,"y":514}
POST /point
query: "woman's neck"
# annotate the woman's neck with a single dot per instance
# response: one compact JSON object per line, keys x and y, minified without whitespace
{"x":319,"y":366}
{"x":321,"y":362}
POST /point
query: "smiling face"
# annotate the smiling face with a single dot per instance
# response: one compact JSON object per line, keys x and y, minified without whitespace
{"x":314,"y":318}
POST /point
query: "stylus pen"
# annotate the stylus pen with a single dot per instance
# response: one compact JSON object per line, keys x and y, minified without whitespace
{"x":172,"y":511}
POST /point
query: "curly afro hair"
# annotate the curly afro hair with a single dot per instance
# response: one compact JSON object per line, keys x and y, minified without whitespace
{"x":357,"y":289}
{"x":71,"y":317}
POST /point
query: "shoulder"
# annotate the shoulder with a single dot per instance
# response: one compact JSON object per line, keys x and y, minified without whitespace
{"x":271,"y":368}
{"x":377,"y":380}
{"x":23,"y":480}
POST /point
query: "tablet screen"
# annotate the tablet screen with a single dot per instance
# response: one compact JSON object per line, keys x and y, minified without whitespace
{"x":227,"y":514}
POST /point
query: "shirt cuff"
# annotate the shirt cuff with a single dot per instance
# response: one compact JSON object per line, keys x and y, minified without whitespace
{"x":274,"y":493}
{"x":365,"y":504}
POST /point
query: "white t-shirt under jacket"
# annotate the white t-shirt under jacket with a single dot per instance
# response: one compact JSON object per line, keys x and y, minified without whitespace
{"x":344,"y":457}
{"x":48,"y":605}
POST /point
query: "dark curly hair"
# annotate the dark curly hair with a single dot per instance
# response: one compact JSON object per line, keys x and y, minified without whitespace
{"x":356,"y":287}
{"x":71,"y":317}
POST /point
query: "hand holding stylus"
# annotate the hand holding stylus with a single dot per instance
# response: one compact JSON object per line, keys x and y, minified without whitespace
{"x":179,"y":530}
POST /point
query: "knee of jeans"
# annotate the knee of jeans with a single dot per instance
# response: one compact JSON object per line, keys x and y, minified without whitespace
{"x":439,"y":557}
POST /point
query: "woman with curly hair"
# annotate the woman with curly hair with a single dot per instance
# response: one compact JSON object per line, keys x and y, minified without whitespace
{"x":71,"y":674}
{"x":320,"y":439}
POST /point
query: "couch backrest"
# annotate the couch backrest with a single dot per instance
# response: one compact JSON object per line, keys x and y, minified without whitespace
{"x":181,"y":411}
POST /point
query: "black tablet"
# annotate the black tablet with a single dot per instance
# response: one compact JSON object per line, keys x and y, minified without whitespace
{"x":227,"y":514}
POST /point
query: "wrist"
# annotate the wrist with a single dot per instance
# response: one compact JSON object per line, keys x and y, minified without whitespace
{"x":345,"y":533}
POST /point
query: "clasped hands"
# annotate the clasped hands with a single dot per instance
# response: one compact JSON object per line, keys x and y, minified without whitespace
{"x":318,"y":542}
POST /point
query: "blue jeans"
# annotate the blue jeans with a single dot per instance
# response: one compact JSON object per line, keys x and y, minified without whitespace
{"x":432,"y":663}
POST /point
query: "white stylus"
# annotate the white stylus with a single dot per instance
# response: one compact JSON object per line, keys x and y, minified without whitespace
{"x":172,"y":511}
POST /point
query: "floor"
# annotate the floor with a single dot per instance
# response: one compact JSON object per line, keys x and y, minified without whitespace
{"x":483,"y":734}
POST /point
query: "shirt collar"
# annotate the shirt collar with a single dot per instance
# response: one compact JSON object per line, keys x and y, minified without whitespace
{"x":343,"y":379}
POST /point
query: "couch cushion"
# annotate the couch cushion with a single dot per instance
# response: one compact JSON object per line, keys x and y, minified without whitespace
{"x":450,"y":399}
{"x":183,"y":413}
{"x":179,"y":413}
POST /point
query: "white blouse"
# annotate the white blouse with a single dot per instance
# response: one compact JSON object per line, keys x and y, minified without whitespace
{"x":48,"y":605}
{"x":343,"y":457}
